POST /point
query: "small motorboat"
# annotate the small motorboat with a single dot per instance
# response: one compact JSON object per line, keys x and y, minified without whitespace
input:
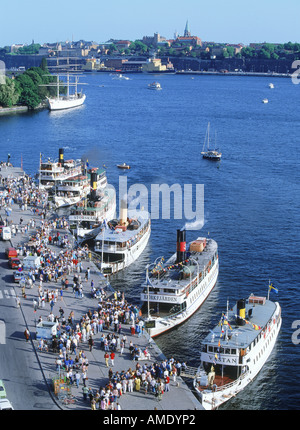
{"x":265,"y":101}
{"x":154,"y":86}
{"x":123,"y":166}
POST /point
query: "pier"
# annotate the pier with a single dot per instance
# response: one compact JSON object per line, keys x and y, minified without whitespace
{"x":25,"y":301}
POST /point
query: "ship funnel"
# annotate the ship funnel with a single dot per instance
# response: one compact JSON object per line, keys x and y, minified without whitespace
{"x":123,"y":212}
{"x":241,"y":312}
{"x":181,"y":246}
{"x":93,"y":185}
{"x":61,"y":156}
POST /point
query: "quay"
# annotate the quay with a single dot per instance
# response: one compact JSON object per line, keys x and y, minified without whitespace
{"x":26,"y":221}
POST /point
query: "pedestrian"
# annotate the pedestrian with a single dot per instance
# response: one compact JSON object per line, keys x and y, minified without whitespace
{"x":51,"y":305}
{"x":167,"y":383}
{"x":91,"y":343}
{"x":85,"y":392}
{"x":77,"y":378}
{"x":122,"y":347}
{"x":112,"y":358}
{"x":106,"y":357}
{"x":27,"y":334}
{"x":18,"y":301}
{"x":35,"y":305}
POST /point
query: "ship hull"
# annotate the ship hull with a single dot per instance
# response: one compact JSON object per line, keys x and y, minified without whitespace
{"x":61,"y":104}
{"x":194,"y":301}
{"x":128,"y":257}
{"x":256,"y":359}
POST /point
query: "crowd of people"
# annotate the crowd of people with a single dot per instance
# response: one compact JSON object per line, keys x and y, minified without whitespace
{"x":103,"y":325}
{"x":102,"y":328}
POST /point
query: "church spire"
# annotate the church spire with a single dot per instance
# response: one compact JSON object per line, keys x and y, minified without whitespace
{"x":187,"y":32}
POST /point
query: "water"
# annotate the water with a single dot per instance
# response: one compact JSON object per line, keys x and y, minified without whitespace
{"x":252,"y":202}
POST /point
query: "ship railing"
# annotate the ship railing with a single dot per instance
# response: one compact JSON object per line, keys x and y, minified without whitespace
{"x":233,"y":383}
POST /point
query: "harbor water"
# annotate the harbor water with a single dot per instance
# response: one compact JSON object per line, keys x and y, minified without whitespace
{"x":251,"y":197}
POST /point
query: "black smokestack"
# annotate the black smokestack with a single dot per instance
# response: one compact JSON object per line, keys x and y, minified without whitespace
{"x":181,"y":246}
{"x":93,"y":185}
{"x":61,"y":156}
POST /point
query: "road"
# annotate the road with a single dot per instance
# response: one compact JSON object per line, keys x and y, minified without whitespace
{"x":19,"y":367}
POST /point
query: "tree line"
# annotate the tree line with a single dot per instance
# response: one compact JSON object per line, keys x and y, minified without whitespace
{"x":28,"y":88}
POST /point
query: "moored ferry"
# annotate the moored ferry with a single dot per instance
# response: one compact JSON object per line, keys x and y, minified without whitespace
{"x":175,"y":289}
{"x":51,"y":172}
{"x":99,"y":205}
{"x":236,"y":349}
{"x":121,"y":241}
{"x":70,"y":191}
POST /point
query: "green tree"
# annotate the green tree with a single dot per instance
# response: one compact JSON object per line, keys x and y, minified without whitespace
{"x":30,"y":49}
{"x":9,"y":95}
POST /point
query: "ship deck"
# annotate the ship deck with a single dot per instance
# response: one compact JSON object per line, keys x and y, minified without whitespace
{"x":240,"y":336}
{"x":116,"y":236}
{"x":170,"y":273}
{"x":219,"y":381}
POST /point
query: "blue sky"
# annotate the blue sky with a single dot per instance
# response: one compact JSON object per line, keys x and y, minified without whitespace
{"x":232,"y":21}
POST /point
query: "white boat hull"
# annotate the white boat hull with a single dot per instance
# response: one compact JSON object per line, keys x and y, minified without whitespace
{"x":66,"y":103}
{"x":105,"y":215}
{"x":61,"y":202}
{"x":255,"y":359}
{"x":129,"y":255}
{"x":194,"y":301}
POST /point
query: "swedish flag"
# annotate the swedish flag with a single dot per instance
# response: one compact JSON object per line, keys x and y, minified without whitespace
{"x":272,"y":287}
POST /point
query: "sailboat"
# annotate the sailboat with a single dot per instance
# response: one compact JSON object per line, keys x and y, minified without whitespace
{"x":209,"y":153}
{"x":69,"y":100}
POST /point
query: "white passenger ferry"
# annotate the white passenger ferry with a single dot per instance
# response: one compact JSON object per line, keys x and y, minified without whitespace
{"x":175,"y":289}
{"x":70,"y":191}
{"x":123,"y":240}
{"x":236,"y":350}
{"x":89,"y":213}
{"x":51,"y":172}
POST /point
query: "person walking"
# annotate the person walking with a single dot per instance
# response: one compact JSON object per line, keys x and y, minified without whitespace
{"x":18,"y":301}
{"x":112,"y":358}
{"x":91,"y":343}
{"x":85,"y":392}
{"x":27,"y":334}
{"x":106,"y":358}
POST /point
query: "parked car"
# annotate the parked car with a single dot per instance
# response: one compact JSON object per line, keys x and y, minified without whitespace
{"x":11,"y":252}
{"x":6,"y":233}
{"x":14,"y":263}
{"x":18,"y":276}
{"x":2,"y":390}
{"x":5,"y":405}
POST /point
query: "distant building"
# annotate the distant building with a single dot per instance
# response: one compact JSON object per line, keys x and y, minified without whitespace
{"x":14,"y":48}
{"x":122,"y":44}
{"x":189,"y":41}
{"x":155,"y":40}
{"x":187,"y":32}
{"x":155,"y":65}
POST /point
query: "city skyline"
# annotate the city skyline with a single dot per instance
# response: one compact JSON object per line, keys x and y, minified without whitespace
{"x":268,"y":21}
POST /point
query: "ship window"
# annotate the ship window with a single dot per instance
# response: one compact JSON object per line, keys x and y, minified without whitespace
{"x":210,"y":349}
{"x":227,"y":351}
{"x":233,"y":351}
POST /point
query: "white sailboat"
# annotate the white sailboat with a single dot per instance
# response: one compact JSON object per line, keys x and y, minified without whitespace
{"x":210,"y":154}
{"x":69,"y":100}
